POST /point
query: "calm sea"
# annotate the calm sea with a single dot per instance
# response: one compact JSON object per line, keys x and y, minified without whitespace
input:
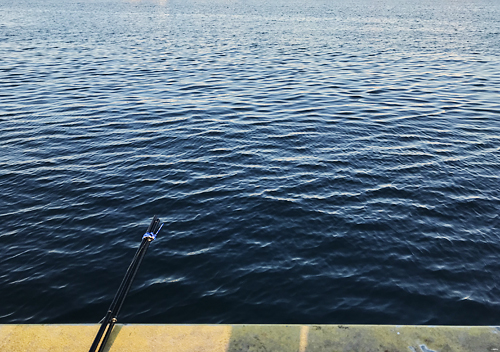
{"x":314,"y":161}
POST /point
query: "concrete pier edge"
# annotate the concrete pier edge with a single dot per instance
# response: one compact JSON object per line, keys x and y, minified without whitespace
{"x":252,"y":338}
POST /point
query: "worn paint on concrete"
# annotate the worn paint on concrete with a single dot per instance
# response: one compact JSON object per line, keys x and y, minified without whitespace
{"x":253,"y":338}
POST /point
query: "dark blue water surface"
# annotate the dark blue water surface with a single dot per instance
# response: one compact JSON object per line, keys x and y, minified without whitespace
{"x":314,"y":161}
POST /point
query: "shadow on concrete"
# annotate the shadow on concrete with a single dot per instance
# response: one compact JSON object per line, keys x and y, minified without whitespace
{"x":265,"y":338}
{"x":112,"y":337}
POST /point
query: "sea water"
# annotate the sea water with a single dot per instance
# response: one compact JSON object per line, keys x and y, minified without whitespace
{"x":319,"y":161}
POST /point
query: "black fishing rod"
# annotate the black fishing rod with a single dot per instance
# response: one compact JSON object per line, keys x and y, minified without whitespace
{"x":110,"y":319}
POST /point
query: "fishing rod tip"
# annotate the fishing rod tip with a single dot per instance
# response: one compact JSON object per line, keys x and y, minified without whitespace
{"x":153,"y":228}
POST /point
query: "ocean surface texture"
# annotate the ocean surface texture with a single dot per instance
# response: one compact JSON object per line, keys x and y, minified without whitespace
{"x":314,"y":161}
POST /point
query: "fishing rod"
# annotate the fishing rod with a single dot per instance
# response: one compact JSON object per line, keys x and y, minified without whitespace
{"x":111,"y":316}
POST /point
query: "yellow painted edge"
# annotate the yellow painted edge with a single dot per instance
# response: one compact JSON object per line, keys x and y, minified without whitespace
{"x":248,"y":338}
